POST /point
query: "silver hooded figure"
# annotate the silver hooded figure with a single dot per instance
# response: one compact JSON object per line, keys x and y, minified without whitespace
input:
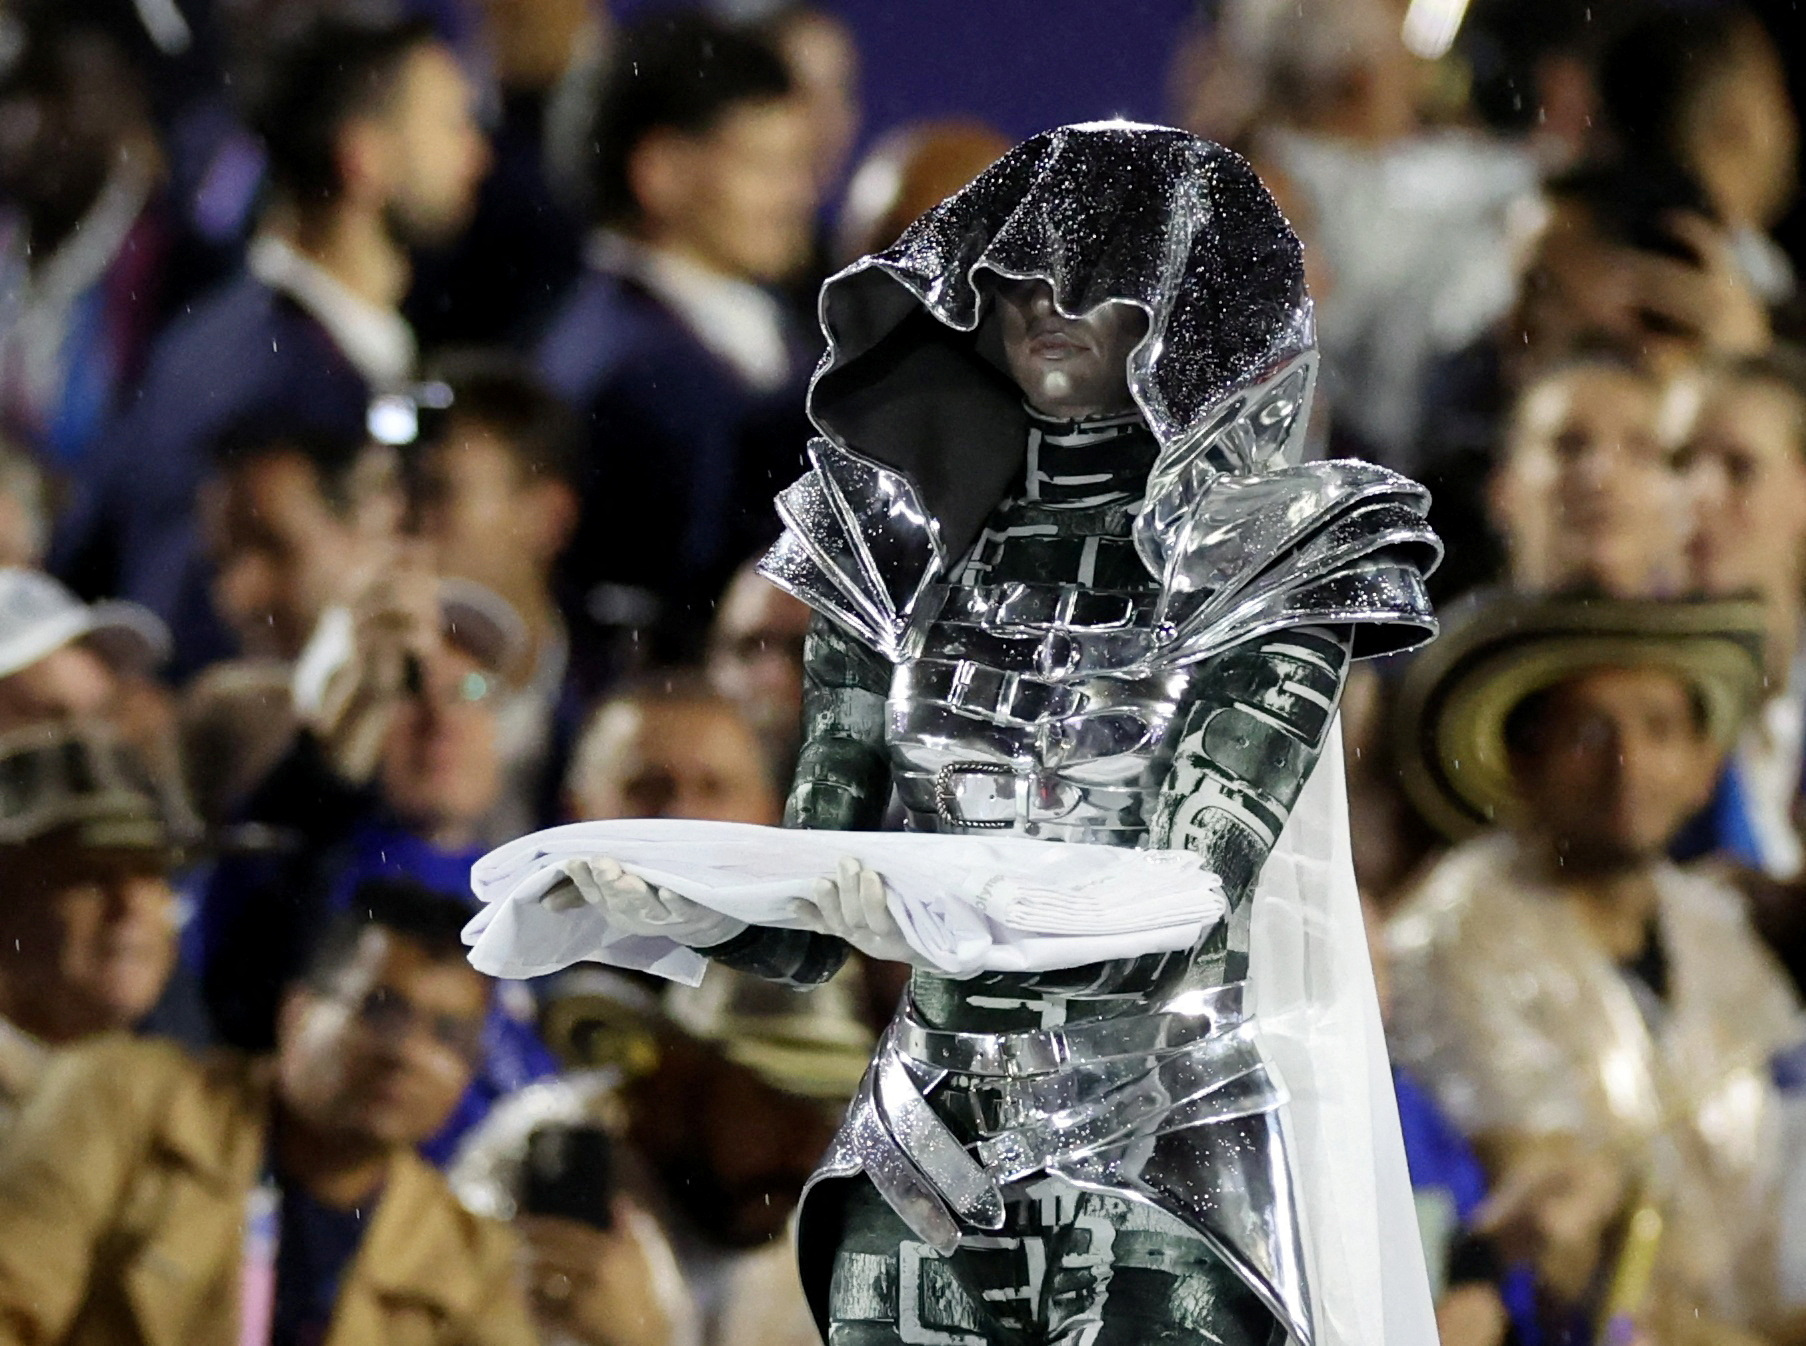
{"x":1129,"y":628}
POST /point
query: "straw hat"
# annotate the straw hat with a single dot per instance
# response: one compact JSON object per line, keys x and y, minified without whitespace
{"x":1497,"y":649}
{"x":812,"y":1044}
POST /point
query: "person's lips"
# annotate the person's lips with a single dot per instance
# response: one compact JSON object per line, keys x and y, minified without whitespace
{"x":1053,"y":345}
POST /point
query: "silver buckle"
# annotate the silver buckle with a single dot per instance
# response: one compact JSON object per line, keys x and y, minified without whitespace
{"x":945,"y":798}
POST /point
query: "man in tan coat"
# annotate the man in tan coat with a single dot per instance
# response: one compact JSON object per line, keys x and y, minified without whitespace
{"x":148,"y":1198}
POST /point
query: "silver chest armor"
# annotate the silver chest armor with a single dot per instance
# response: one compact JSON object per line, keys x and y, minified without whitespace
{"x":1038,"y":709}
{"x":1052,"y":709}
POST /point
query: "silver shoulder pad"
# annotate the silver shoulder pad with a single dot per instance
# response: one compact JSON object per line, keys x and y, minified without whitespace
{"x":857,"y":547}
{"x":1328,"y":542}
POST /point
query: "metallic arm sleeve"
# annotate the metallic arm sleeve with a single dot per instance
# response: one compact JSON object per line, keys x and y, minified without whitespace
{"x":1249,"y":741}
{"x":842,"y":784}
{"x":842,"y":778}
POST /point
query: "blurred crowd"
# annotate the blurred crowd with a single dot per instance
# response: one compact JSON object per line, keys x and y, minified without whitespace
{"x":391,"y":400}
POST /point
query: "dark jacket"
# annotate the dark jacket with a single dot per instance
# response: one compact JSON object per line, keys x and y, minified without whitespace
{"x":683,"y":459}
{"x":245,"y":352}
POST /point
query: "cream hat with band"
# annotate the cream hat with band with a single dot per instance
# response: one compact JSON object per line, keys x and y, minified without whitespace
{"x":84,"y":789}
{"x":1498,"y":649}
{"x":810,"y":1044}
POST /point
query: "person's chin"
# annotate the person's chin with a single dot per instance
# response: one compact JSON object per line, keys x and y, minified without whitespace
{"x":389,"y":1121}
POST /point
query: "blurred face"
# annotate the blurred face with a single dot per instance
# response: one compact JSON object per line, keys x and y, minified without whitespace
{"x":87,"y":938}
{"x":1744,"y":465}
{"x":1740,"y":136}
{"x":818,"y":50}
{"x":430,"y":153}
{"x":70,"y":683}
{"x":282,"y":552}
{"x":739,"y":198}
{"x":1617,"y":762}
{"x":756,"y":657}
{"x":1072,"y":367}
{"x":487,"y":520}
{"x":57,"y":139}
{"x":441,"y":764}
{"x":384,"y":1058}
{"x":1587,"y":495}
{"x":678,"y":759}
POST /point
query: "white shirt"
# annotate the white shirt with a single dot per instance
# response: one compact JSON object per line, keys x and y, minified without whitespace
{"x":377,"y":340}
{"x":739,"y":322}
{"x":38,"y":300}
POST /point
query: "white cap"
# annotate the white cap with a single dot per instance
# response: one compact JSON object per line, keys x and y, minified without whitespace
{"x":38,"y":616}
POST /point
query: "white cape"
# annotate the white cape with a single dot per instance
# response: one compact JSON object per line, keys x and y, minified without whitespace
{"x":1318,"y":1020}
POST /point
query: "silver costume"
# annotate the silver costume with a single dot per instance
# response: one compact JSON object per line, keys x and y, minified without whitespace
{"x":1166,"y":679}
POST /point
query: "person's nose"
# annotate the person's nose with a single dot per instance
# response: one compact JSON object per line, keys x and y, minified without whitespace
{"x":1707,"y":484}
{"x":246,"y":587}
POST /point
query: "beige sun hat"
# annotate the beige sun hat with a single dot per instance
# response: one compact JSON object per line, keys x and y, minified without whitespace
{"x":812,"y":1044}
{"x":1497,"y":649}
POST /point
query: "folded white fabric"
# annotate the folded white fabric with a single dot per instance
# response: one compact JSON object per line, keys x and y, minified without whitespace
{"x":966,"y":904}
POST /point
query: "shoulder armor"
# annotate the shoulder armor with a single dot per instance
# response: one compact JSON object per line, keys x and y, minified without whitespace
{"x":857,"y":546}
{"x":1328,"y":542}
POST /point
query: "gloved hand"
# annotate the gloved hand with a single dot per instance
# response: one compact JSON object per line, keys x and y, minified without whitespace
{"x":851,"y":905}
{"x":637,"y":907}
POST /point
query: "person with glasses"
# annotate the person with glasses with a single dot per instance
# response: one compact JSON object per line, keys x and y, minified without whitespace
{"x":393,"y":771}
{"x":151,"y":1195}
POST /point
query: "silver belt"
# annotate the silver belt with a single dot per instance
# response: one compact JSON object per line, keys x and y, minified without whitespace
{"x":1077,"y":1092}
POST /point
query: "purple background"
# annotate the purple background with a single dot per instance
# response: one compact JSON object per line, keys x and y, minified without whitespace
{"x":1023,"y":65}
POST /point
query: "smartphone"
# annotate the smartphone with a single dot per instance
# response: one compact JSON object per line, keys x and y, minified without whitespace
{"x":569,"y":1173}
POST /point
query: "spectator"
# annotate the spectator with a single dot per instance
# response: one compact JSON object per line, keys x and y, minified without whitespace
{"x":295,"y":522}
{"x":87,"y":916}
{"x":818,"y":49}
{"x":294,"y":517}
{"x":392,"y":769}
{"x":685,"y":365}
{"x":494,"y":495}
{"x":1626,"y":261}
{"x":1631,"y":255}
{"x":81,"y":254}
{"x":285,"y":1191}
{"x":756,"y":661}
{"x":736,"y":1084}
{"x":1559,"y":985}
{"x":1704,"y":90}
{"x":670,"y":748}
{"x":1584,"y":495}
{"x":1419,"y":230}
{"x":525,"y":241}
{"x":371,"y":149}
{"x":1744,"y":463}
{"x":1478,"y":1297}
{"x":63,"y":661}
